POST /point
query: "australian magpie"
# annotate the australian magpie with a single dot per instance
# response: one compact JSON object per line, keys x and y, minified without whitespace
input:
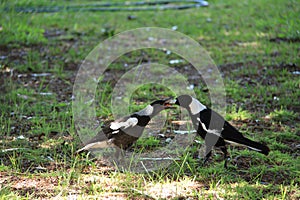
{"x":214,"y":129}
{"x":122,"y":133}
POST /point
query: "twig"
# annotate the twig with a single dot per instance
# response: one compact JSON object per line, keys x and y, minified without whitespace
{"x":167,"y":158}
{"x":13,"y":149}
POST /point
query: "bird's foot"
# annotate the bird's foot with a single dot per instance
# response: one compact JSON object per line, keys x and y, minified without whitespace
{"x":206,"y":158}
{"x":225,"y":164}
{"x":204,"y":162}
{"x":226,"y":161}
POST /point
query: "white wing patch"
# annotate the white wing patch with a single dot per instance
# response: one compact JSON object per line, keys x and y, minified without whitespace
{"x":196,"y":106}
{"x":211,"y":131}
{"x":132,"y":121}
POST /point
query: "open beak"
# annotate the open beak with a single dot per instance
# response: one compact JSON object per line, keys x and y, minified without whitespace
{"x":169,"y":103}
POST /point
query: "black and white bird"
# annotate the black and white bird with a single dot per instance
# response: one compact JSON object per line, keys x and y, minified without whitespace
{"x":122,"y":133}
{"x":214,"y":129}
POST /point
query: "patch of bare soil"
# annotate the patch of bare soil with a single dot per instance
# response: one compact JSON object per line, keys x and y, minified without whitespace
{"x":270,"y":177}
{"x":285,"y":39}
{"x":260,"y":77}
{"x":39,"y":187}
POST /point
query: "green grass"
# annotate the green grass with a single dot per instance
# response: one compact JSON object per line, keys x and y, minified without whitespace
{"x":255,"y":45}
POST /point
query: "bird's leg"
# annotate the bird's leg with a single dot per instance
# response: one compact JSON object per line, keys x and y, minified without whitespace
{"x":118,"y":155}
{"x":208,"y":150}
{"x":208,"y":154}
{"x":224,"y":150}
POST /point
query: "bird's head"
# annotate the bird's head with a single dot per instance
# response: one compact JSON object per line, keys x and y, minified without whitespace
{"x":184,"y":100}
{"x":189,"y":103}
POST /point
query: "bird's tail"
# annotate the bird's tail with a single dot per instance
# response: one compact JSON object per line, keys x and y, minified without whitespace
{"x":97,"y":145}
{"x":256,"y":146}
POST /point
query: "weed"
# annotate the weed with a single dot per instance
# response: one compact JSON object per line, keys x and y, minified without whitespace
{"x":283,"y":115}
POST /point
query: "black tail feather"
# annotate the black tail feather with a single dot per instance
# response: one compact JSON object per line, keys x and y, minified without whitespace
{"x":256,"y":146}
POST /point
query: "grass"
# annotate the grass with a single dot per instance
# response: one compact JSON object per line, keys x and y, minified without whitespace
{"x":255,"y":45}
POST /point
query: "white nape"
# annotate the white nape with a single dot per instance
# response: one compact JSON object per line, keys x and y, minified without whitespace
{"x":146,"y":111}
{"x":196,"y":106}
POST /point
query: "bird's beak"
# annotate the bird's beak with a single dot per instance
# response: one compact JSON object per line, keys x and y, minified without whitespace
{"x":176,"y":102}
{"x":169,"y":103}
